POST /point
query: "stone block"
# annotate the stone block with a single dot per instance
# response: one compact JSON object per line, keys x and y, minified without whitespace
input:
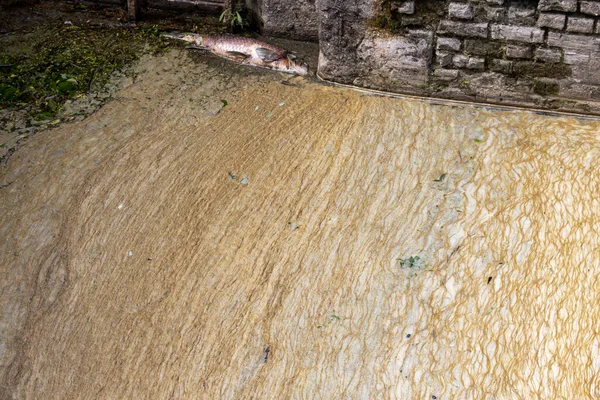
{"x":460,"y":11}
{"x":552,"y":20}
{"x":446,"y":43}
{"x":462,"y":61}
{"x":521,"y":16}
{"x":514,"y":51}
{"x":482,"y":47}
{"x":570,"y":41}
{"x":558,"y":5}
{"x":446,"y":75}
{"x":467,"y":29}
{"x":488,"y":80}
{"x":548,"y":55}
{"x":517,"y":33}
{"x":523,"y":85}
{"x":590,"y":7}
{"x":582,"y":25}
{"x":530,"y":69}
{"x":497,"y":2}
{"x":573,"y":57}
{"x":503,"y":66}
{"x":578,"y":90}
{"x":546,"y":87}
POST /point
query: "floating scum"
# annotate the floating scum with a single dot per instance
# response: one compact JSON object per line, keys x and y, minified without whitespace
{"x":379,"y":248}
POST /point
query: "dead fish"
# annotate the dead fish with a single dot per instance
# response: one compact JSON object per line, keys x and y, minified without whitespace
{"x":246,"y":51}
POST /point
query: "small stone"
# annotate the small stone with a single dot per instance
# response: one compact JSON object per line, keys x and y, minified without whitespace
{"x":514,"y":51}
{"x":462,"y":61}
{"x":558,"y":5}
{"x":497,"y":2}
{"x":590,"y":7}
{"x":446,"y":75}
{"x":495,"y":14}
{"x":444,"y":59}
{"x":582,"y":25}
{"x":130,"y":253}
{"x":460,"y":11}
{"x":519,"y":15}
{"x":444,"y":43}
{"x":404,"y":7}
{"x":553,"y":21}
{"x":244,"y":181}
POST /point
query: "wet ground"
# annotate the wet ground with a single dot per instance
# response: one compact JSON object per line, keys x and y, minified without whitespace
{"x":215,"y":231}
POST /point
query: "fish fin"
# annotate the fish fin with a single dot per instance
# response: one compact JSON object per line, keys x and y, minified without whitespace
{"x":267,"y":55}
{"x":237,"y":54}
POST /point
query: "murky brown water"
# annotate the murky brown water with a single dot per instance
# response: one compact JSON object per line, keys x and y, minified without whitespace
{"x":168,"y":248}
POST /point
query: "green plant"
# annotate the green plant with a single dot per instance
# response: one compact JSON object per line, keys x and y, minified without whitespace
{"x":232,"y":18}
{"x":65,"y":62}
{"x":410,"y":262}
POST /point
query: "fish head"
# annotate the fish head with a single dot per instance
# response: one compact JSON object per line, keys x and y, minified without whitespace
{"x":292,"y":65}
{"x":188,"y":37}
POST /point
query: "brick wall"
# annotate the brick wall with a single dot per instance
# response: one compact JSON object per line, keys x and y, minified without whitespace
{"x":542,"y":53}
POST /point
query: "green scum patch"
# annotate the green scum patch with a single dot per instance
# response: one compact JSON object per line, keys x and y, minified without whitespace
{"x":60,"y":63}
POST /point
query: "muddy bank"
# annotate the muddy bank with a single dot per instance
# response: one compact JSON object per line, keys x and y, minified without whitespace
{"x":301,"y":241}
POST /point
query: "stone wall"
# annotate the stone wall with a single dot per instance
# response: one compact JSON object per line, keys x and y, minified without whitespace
{"x":295,"y":19}
{"x":542,"y":53}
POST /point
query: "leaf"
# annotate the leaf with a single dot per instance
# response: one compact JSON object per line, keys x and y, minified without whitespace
{"x":477,"y":140}
{"x":239,"y":19}
{"x":65,"y":86}
{"x":222,"y":17}
{"x":7,"y":92}
{"x":441,"y":178}
{"x":224,"y":103}
{"x":44,"y":115}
